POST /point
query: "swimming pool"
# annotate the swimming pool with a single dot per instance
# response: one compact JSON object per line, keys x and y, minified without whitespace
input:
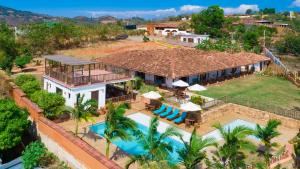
{"x":133,"y":147}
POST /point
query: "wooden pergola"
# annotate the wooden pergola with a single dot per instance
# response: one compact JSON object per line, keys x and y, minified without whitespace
{"x":74,"y":71}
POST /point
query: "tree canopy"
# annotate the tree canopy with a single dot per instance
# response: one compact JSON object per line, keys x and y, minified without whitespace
{"x":8,"y":47}
{"x":13,"y":123}
{"x":209,"y":21}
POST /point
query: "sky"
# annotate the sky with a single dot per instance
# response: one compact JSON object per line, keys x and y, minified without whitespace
{"x":143,"y":8}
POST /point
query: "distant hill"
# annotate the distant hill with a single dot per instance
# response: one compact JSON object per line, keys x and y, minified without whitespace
{"x":15,"y":17}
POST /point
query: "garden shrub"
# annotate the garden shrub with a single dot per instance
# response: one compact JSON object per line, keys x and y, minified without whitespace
{"x":22,"y":61}
{"x":147,"y":88}
{"x":138,"y":82}
{"x":37,"y":155}
{"x":30,"y":87}
{"x":197,"y":100}
{"x":21,"y":79}
{"x":125,"y":105}
{"x":13,"y":123}
{"x":33,"y":154}
{"x":51,"y":103}
{"x":146,"y":39}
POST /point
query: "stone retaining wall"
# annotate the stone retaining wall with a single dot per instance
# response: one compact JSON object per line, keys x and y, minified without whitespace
{"x":223,"y":110}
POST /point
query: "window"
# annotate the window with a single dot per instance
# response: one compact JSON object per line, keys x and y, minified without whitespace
{"x":59,"y":91}
{"x":69,"y":95}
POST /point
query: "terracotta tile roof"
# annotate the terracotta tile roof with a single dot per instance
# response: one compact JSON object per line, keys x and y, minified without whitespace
{"x":179,"y":62}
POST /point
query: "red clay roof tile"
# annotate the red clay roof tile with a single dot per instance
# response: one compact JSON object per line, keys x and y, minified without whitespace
{"x":180,"y":62}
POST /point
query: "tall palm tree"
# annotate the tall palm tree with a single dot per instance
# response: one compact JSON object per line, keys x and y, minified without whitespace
{"x":117,"y":125}
{"x":229,"y":155}
{"x":83,"y":110}
{"x":193,"y":152}
{"x":156,"y":149}
{"x":266,"y":134}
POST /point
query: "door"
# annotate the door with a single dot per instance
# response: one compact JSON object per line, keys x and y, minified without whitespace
{"x":95,"y":95}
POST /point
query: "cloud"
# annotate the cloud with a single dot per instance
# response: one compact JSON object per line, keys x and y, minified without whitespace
{"x":241,"y":9}
{"x":161,"y":13}
{"x":128,"y":14}
{"x":191,"y":8}
{"x":296,"y":3}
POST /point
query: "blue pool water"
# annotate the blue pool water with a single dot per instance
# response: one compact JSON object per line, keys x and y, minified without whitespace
{"x":133,"y":147}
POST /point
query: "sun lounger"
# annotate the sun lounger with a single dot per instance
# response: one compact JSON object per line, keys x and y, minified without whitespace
{"x":181,"y":118}
{"x":160,"y":110}
{"x":164,"y":114}
{"x":168,"y":111}
{"x":173,"y":115}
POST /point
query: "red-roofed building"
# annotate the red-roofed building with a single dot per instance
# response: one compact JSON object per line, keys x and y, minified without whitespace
{"x":164,"y":66}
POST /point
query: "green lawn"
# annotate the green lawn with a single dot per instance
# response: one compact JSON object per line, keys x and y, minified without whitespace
{"x":258,"y":91}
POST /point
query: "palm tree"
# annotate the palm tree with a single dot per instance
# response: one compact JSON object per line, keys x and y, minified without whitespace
{"x":266,"y":134}
{"x":229,"y":155}
{"x":296,"y":155}
{"x":193,"y":152}
{"x":83,"y":110}
{"x":156,"y":149}
{"x":117,"y":125}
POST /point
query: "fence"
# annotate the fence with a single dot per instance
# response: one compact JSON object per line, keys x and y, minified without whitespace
{"x":275,"y":59}
{"x":291,"y":113}
{"x":123,"y":98}
{"x":291,"y":76}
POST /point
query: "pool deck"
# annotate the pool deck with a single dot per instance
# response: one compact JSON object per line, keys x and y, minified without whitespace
{"x":121,"y":158}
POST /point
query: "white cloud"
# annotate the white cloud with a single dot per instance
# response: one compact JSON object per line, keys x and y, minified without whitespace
{"x":296,"y":3}
{"x":127,"y":14}
{"x":191,"y":8}
{"x":241,"y":9}
{"x":160,"y":13}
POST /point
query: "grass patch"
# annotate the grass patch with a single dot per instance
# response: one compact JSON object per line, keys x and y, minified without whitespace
{"x":258,"y":91}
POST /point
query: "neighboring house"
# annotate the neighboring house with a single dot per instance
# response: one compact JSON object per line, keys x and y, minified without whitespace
{"x":71,"y":77}
{"x":164,"y":29}
{"x":164,"y":66}
{"x":193,"y":38}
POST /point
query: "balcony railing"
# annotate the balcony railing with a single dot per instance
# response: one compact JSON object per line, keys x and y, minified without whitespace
{"x":83,"y":80}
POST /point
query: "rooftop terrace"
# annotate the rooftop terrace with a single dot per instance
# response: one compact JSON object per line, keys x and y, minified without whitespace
{"x":76,"y":72}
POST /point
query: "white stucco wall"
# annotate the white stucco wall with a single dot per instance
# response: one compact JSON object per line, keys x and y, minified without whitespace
{"x":196,"y":39}
{"x":60,"y":152}
{"x":70,"y":94}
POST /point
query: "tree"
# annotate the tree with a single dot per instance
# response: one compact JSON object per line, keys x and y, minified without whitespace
{"x":83,"y":110}
{"x":209,"y":21}
{"x":8,"y":47}
{"x":156,"y":149}
{"x":37,"y":38}
{"x":249,"y":12}
{"x":22,"y":61}
{"x":266,"y":134}
{"x":250,"y":40}
{"x":51,"y":103}
{"x":117,"y":125}
{"x":229,"y":155}
{"x":13,"y":123}
{"x":268,"y":11}
{"x":193,"y":152}
{"x":289,"y":45}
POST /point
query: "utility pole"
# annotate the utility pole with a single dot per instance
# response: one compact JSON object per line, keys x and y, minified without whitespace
{"x":264,"y":38}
